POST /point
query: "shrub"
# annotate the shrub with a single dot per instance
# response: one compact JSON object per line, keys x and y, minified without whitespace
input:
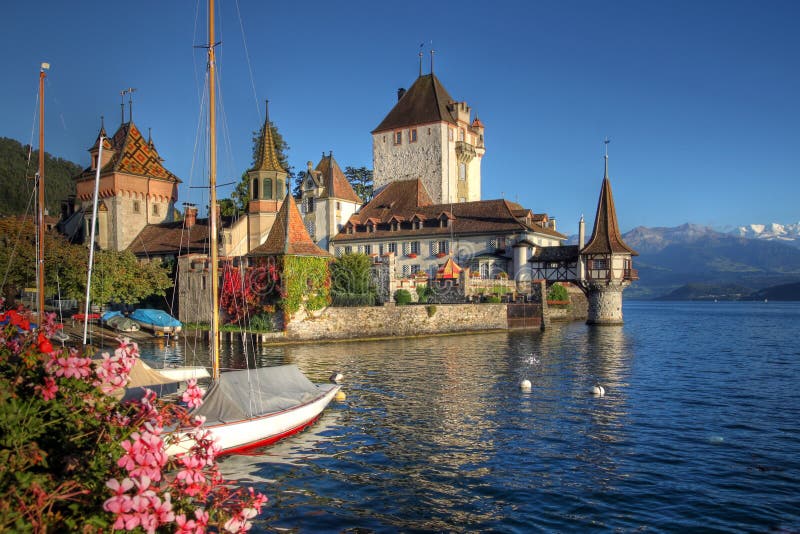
{"x":557,"y":292}
{"x":402,"y":297}
{"x":75,"y":459}
{"x":493,"y":299}
{"x":430,"y":310}
{"x":424,"y":293}
{"x":345,"y":300}
{"x":499,"y":290}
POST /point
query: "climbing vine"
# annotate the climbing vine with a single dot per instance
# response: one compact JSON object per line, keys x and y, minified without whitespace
{"x":305,"y":280}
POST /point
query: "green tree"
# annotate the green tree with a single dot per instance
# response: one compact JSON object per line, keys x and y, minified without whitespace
{"x":351,"y":274}
{"x":120,"y":277}
{"x":361,"y":180}
{"x":64,"y":268}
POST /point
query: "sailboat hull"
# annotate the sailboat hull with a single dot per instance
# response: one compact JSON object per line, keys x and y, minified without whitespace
{"x":238,"y":436}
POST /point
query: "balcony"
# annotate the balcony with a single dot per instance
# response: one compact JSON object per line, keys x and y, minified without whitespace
{"x":465,"y":151}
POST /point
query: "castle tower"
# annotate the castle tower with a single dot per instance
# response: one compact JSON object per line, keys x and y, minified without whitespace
{"x":429,"y":136}
{"x":135,"y":188}
{"x":328,"y":200}
{"x":606,"y":262}
{"x":267,"y":186}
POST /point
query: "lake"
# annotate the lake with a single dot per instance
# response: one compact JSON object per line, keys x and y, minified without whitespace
{"x":698,"y":429}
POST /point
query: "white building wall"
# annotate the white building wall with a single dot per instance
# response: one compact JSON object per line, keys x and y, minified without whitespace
{"x":423,"y":159}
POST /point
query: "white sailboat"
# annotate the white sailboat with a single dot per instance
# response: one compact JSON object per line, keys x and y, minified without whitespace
{"x":251,"y":407}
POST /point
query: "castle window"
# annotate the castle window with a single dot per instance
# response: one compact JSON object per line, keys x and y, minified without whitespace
{"x":310,"y":228}
{"x":413,"y":135}
{"x":368,"y":249}
{"x":267,"y":188}
{"x":310,"y":205}
{"x":155,"y":209}
{"x":348,"y":249}
{"x":429,"y":131}
{"x":462,"y":171}
{"x":392,"y":247}
{"x":398,"y":138}
{"x":415,"y":247}
{"x":406,"y":270}
{"x":461,"y":134}
{"x":414,"y":269}
{"x":136,"y":207}
{"x":255,"y":189}
{"x":449,"y":134}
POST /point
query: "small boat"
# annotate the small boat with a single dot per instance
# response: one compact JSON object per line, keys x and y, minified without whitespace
{"x":158,"y":321}
{"x":119,"y":322}
{"x":256,"y":407}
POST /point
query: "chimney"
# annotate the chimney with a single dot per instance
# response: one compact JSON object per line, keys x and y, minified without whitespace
{"x":581,"y":233}
{"x":190,"y":215}
{"x":553,"y":223}
{"x":400,"y":92}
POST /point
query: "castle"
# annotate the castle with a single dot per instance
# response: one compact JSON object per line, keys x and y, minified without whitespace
{"x":426,"y":216}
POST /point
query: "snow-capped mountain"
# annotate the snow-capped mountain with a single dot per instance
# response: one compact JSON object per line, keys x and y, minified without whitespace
{"x":786,"y":233}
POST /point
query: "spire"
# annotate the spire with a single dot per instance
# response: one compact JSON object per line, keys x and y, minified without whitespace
{"x":288,"y":235}
{"x":606,"y":237}
{"x":267,"y":156}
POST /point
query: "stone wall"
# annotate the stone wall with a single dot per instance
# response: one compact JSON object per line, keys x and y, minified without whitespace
{"x":390,"y":321}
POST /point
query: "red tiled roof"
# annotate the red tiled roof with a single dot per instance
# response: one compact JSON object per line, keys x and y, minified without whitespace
{"x":397,"y":200}
{"x":425,"y":101}
{"x":171,"y":238}
{"x":334,"y":181}
{"x":606,"y":237}
{"x":133,"y":154}
{"x":288,"y":235}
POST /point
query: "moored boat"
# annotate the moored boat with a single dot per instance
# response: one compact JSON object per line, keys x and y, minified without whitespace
{"x":158,"y":321}
{"x":119,"y":322}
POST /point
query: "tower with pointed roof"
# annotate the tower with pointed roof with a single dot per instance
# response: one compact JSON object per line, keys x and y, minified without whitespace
{"x":429,"y":136}
{"x":328,"y":200}
{"x":135,"y":188}
{"x":267,"y":186}
{"x":606,"y":262}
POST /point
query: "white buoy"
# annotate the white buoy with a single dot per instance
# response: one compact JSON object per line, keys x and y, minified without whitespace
{"x":337,"y":377}
{"x":525,"y":385}
{"x":598,"y":390}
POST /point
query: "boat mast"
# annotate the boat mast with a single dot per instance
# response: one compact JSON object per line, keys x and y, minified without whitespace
{"x":40,"y":185}
{"x":91,"y":240}
{"x":212,"y":209}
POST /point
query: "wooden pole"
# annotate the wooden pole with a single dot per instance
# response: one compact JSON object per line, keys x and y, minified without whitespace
{"x":212,"y":210}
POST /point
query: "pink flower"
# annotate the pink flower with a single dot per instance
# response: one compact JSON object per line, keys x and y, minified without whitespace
{"x":49,"y":388}
{"x":193,"y":396}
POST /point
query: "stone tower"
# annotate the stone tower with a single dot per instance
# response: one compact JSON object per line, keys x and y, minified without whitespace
{"x":328,"y":200}
{"x":267,"y":187}
{"x":606,"y":262}
{"x":429,"y":136}
{"x":135,"y":188}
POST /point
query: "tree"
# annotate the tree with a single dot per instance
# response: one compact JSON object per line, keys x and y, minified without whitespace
{"x":557,"y":292}
{"x":120,"y":277}
{"x":241,"y":194}
{"x":361,"y":180}
{"x":65,"y":264}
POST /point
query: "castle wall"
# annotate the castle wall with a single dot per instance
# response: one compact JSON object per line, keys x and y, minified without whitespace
{"x":423,"y":159}
{"x":605,"y":304}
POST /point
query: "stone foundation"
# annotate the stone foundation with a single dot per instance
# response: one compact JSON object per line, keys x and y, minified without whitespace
{"x":605,"y":304}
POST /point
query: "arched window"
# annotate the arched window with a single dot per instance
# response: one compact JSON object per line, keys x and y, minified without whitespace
{"x":267,"y":188}
{"x":255,"y":189}
{"x":279,"y":189}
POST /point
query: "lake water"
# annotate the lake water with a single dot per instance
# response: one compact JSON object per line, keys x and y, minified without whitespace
{"x":699,"y":429}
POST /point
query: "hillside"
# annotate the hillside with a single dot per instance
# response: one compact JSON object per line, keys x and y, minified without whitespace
{"x":16,"y":178}
{"x":702,"y":263}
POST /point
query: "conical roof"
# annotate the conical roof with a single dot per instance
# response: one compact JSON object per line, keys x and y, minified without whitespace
{"x":606,"y":237}
{"x":425,"y":101}
{"x":288,"y":235}
{"x":133,"y":155}
{"x":334,"y":181}
{"x":267,"y":155}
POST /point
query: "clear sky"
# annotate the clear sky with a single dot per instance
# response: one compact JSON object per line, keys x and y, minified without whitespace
{"x":699,"y":98}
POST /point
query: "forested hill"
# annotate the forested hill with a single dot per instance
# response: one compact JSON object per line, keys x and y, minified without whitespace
{"x":16,"y":178}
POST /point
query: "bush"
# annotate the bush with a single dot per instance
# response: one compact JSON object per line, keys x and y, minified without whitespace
{"x":493,"y":299}
{"x":557,"y":292}
{"x":349,"y":300}
{"x":402,"y":297}
{"x":424,"y":293}
{"x":75,"y":459}
{"x":430,"y":310}
{"x":499,"y":290}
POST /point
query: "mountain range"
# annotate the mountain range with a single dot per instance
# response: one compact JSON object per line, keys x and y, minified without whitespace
{"x":698,"y":262}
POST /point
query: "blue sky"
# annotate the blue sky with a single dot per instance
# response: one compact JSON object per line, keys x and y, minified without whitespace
{"x":700,"y":99}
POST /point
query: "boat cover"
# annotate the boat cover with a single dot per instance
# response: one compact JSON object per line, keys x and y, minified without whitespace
{"x":123,"y":324}
{"x":154,"y":317}
{"x":109,"y":314}
{"x":243,"y":394}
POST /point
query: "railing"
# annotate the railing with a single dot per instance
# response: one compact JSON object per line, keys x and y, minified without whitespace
{"x":465,"y":151}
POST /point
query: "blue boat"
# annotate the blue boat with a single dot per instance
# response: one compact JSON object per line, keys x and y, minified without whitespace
{"x":158,"y":321}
